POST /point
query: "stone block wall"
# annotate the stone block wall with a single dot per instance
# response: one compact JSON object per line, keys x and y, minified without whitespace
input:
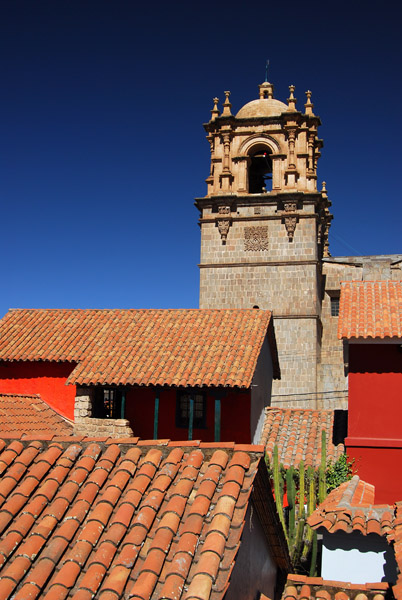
{"x":257,"y":239}
{"x":85,"y":424}
{"x":297,"y":348}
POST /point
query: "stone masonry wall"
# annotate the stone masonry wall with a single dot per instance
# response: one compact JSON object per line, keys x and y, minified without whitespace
{"x":267,"y":240}
{"x":297,"y":348}
{"x":85,"y":424}
{"x":272,"y":273}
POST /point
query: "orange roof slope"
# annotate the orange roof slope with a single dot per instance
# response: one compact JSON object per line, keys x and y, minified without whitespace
{"x":370,"y":309}
{"x":350,"y":507}
{"x":143,"y":347}
{"x":300,"y":587}
{"x":30,"y":415}
{"x":297,"y":433}
{"x":109,"y":520}
{"x":396,"y":538}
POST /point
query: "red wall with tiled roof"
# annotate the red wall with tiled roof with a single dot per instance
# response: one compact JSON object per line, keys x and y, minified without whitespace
{"x":375,"y":384}
{"x":46,"y":379}
{"x":235,"y":416}
{"x":375,"y":414}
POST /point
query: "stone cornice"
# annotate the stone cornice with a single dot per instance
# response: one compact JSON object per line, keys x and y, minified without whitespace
{"x":263,"y":217}
{"x":279,"y":316}
{"x":261,"y":263}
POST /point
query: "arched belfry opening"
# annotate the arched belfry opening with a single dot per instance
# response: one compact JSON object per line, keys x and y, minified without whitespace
{"x":260,"y":171}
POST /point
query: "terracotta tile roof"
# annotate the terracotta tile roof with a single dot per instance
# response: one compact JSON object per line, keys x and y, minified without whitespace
{"x":350,"y":507}
{"x":396,"y":537}
{"x":297,"y":433}
{"x":370,"y":309}
{"x":143,"y":347}
{"x":300,"y":587}
{"x":30,"y":415}
{"x":90,"y":519}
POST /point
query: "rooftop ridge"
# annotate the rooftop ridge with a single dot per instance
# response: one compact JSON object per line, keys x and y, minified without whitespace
{"x":160,"y":444}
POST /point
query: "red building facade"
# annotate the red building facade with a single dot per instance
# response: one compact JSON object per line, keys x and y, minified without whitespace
{"x":370,"y":322}
{"x":184,"y":374}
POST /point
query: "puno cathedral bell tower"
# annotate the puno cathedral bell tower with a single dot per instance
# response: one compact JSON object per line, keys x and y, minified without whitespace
{"x":264,"y":227}
{"x":264,"y":241}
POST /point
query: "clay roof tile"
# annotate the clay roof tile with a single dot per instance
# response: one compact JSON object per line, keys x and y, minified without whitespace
{"x":110,"y":518}
{"x":297,"y":434}
{"x":370,"y":309}
{"x":191,"y":347}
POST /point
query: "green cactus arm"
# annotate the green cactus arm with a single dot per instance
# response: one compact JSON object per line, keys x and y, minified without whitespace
{"x":291,"y":493}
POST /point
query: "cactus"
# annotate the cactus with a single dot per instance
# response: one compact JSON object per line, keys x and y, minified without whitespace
{"x":311,"y":504}
{"x":313,"y":560}
{"x":301,"y":539}
{"x":291,"y":492}
{"x":298,"y":543}
{"x":322,"y":486}
{"x":302,"y":492}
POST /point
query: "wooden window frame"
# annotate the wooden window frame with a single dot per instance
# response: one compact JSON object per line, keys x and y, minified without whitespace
{"x":200,"y":405}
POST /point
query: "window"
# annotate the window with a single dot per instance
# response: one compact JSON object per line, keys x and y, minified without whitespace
{"x":107,"y":403}
{"x":260,"y":172}
{"x":183,"y":409}
{"x":334,"y":306}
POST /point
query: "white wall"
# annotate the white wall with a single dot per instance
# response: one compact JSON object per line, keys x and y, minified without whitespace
{"x":357,"y":558}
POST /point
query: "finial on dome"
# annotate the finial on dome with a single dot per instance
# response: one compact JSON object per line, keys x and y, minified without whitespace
{"x":292,"y":100}
{"x":309,"y":106}
{"x":266,"y":90}
{"x":226,"y":106}
{"x":266,"y":71}
{"x":215,"y":111}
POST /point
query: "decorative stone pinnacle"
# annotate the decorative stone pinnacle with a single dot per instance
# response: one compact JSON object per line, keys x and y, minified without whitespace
{"x":324,"y":186}
{"x":215,"y":111}
{"x":292,"y":100}
{"x":266,"y":90}
{"x":226,"y":106}
{"x":308,"y":106}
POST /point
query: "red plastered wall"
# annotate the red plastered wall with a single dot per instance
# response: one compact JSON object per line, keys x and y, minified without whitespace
{"x":379,"y":466}
{"x":235,"y":416}
{"x":375,"y":390}
{"x":44,"y":378}
{"x":375,"y":414}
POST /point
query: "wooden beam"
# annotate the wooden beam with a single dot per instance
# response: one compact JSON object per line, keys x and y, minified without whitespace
{"x":156,"y":415}
{"x":190,"y":418}
{"x":217,"y":437}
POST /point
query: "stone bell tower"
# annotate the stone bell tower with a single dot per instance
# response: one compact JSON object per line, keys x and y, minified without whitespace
{"x":264,"y":228}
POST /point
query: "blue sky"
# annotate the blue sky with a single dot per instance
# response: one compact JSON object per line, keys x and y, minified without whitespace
{"x":102,"y":149}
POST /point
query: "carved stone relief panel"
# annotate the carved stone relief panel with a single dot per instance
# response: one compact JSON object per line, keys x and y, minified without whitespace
{"x":256,"y":238}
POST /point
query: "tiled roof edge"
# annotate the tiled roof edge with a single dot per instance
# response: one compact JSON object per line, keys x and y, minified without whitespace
{"x":164,"y":445}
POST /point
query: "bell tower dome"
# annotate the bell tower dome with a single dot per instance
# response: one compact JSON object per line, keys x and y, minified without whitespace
{"x":264,"y":225}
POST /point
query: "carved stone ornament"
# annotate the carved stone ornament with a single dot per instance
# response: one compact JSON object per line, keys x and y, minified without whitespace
{"x":290,"y":224}
{"x":290,"y":206}
{"x":256,"y":238}
{"x":224,"y":210}
{"x":224,"y":222}
{"x":223,"y":226}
